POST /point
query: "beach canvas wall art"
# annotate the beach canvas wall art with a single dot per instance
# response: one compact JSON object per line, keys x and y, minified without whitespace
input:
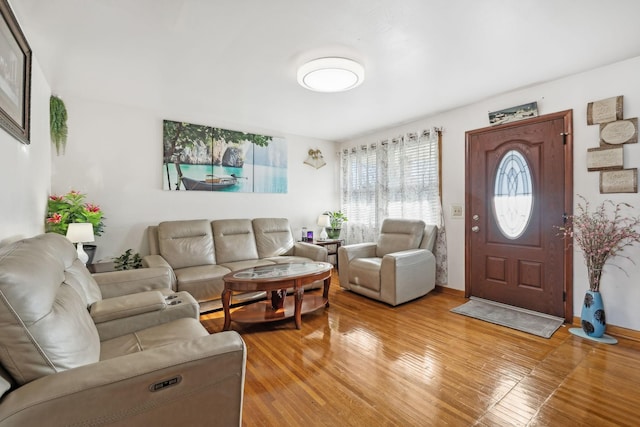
{"x":205,"y":158}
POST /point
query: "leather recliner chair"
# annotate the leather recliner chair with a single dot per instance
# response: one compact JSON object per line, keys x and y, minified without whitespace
{"x":399,"y":267}
{"x":152,"y":364}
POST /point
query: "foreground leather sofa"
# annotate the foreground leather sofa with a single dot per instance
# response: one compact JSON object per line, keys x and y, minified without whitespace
{"x":156,"y":365}
{"x":399,"y":267}
{"x":200,"y":252}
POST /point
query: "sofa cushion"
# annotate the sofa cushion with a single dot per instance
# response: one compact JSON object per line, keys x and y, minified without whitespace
{"x":166,"y":334}
{"x":202,"y":281}
{"x":51,"y":332}
{"x":399,"y":235}
{"x":186,"y":243}
{"x":235,"y":240}
{"x":285,"y":259}
{"x":273,"y":237}
{"x":241,"y":265}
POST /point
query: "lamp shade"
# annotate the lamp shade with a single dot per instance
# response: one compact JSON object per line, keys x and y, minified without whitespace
{"x":80,"y":232}
{"x":323,"y":221}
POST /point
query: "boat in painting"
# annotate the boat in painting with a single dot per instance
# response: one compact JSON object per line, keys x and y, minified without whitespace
{"x":210,"y":183}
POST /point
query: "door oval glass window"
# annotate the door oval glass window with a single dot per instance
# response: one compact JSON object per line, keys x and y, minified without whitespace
{"x":513,"y":194}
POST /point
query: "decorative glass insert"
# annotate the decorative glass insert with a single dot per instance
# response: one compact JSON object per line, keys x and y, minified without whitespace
{"x":513,"y":195}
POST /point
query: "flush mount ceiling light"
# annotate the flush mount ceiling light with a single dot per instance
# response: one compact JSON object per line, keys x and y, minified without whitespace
{"x":330,"y":74}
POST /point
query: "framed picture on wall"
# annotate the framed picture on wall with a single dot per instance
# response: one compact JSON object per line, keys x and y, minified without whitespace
{"x":15,"y":76}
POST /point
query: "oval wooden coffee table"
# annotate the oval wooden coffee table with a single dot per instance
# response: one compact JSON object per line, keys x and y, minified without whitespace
{"x":272,"y":279}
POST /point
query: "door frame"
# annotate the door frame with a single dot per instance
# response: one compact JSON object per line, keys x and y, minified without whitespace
{"x":567,"y":116}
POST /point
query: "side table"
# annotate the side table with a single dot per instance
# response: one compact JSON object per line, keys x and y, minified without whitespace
{"x":101,"y":267}
{"x":332,"y":246}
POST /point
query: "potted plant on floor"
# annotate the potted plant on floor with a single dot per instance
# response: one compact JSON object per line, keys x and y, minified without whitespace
{"x":71,"y":207}
{"x":601,"y":235}
{"x":336,"y":219}
{"x":127,"y":261}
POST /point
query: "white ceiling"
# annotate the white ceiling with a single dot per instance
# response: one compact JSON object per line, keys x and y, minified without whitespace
{"x":235,"y":61}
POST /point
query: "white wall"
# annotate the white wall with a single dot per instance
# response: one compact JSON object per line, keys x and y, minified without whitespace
{"x":620,"y":291}
{"x":114,"y":154}
{"x":25,"y":169}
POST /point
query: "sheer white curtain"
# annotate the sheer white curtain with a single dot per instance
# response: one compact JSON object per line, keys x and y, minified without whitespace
{"x":397,"y":178}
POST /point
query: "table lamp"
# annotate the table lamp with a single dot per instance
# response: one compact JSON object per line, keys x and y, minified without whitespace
{"x":323,"y":221}
{"x":79,"y":232}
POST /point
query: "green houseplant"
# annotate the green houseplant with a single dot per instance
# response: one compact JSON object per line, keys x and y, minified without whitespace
{"x":71,"y":207}
{"x":127,"y":261}
{"x":58,"y":123}
{"x":336,"y":219}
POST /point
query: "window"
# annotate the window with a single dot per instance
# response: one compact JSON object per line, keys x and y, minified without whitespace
{"x":399,"y":178}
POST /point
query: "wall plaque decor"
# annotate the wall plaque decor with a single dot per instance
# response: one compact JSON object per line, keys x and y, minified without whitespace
{"x":514,"y":114}
{"x":619,"y":181}
{"x":204,"y":158}
{"x":619,"y":132}
{"x":605,"y":110}
{"x":15,"y":76}
{"x":605,"y":158}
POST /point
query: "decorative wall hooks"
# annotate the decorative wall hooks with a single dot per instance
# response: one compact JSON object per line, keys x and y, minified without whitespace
{"x":315,"y":158}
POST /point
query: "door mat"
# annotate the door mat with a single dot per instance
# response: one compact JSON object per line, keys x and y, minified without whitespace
{"x":540,"y":324}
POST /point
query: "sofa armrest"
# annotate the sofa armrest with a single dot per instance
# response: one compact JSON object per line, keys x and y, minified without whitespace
{"x":350,"y":252}
{"x":358,"y":250}
{"x":117,"y":283}
{"x":311,"y":251}
{"x":151,"y":261}
{"x":406,"y":274}
{"x":193,"y":382}
{"x":126,"y":306}
{"x":177,"y":305}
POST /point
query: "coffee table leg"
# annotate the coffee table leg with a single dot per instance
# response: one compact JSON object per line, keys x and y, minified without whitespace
{"x":226,"y":299}
{"x":299,"y":294}
{"x":325,"y":293}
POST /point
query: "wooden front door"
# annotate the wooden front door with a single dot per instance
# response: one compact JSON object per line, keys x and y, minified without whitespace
{"x":518,"y":188}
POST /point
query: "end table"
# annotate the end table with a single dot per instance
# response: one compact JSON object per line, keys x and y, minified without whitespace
{"x":332,"y":246}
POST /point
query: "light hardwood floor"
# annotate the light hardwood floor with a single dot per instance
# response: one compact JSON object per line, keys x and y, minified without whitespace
{"x":363,"y":363}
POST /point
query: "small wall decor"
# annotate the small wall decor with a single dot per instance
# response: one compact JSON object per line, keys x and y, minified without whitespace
{"x":58,"y":123}
{"x":619,"y":132}
{"x":204,"y":158}
{"x":315,"y":159}
{"x":605,"y":110}
{"x":514,"y":114}
{"x":15,"y":78}
{"x":605,"y":158}
{"x":619,"y":181}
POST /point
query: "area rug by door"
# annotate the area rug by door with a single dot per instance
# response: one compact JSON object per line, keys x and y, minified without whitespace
{"x":539,"y":324}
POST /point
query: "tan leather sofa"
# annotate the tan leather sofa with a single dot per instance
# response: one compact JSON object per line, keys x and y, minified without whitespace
{"x":399,"y":267}
{"x":121,"y":350}
{"x":200,"y":252}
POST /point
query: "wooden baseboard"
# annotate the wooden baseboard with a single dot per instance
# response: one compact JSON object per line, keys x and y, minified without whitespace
{"x":449,"y":291}
{"x":616,"y":331}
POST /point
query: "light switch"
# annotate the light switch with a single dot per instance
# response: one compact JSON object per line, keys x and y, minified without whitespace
{"x":457,"y":211}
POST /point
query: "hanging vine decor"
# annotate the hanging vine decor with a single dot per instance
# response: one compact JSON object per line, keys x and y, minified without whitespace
{"x":58,"y":123}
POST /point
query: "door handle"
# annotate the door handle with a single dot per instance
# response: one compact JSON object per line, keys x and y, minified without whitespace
{"x":475,"y":229}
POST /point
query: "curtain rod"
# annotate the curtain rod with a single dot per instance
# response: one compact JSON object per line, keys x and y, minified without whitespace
{"x":409,"y":136}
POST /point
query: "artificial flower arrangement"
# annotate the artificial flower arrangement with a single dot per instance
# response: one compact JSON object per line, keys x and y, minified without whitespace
{"x":601,"y":235}
{"x":71,"y":207}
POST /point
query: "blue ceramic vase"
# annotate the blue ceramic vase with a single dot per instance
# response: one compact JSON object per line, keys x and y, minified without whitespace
{"x":592,"y":317}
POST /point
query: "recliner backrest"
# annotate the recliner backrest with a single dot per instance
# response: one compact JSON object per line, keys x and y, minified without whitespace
{"x":235,"y":240}
{"x":273,"y":237}
{"x":186,"y":243}
{"x":45,"y":326}
{"x":399,"y":235}
{"x":429,"y":237}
